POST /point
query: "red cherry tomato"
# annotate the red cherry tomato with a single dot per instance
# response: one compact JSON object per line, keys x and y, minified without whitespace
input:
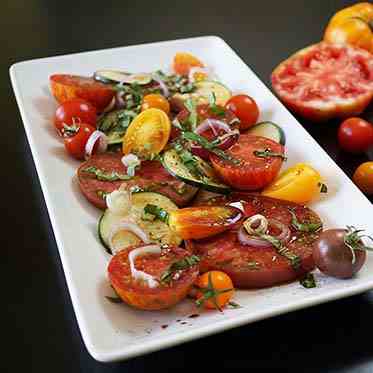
{"x":75,"y":141}
{"x":74,"y":111}
{"x":245,"y":109}
{"x":355,"y":135}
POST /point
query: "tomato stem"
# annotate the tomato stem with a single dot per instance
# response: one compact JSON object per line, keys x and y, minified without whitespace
{"x":353,"y":240}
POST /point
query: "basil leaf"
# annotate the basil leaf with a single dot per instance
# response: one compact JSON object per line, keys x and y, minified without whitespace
{"x":105,"y":176}
{"x":308,"y":281}
{"x":180,"y":265}
{"x":157,"y":212}
{"x":308,"y":227}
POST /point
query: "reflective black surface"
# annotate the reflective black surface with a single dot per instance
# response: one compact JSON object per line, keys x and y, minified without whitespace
{"x":39,"y":329}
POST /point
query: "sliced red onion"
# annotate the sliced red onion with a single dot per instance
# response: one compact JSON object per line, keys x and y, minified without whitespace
{"x":119,"y":101}
{"x":111,"y":106}
{"x":257,"y":241}
{"x":102,"y":143}
{"x":227,"y":140}
{"x":162,"y":85}
{"x":260,"y":229}
{"x":128,"y":226}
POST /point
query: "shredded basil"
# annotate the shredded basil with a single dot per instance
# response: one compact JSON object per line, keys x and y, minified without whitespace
{"x":193,"y":116}
{"x":211,"y":146}
{"x":304,"y":226}
{"x":106,"y":176}
{"x":189,"y":161}
{"x":157,"y":212}
{"x":180,"y":265}
{"x":267,"y":153}
{"x":308,"y":281}
{"x":215,"y":109}
{"x":116,"y":121}
{"x":70,"y":130}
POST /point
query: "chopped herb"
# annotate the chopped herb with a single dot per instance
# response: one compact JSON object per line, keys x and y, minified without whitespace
{"x":116,"y":121}
{"x":209,"y":146}
{"x":193,"y":117}
{"x":180,"y":265}
{"x":70,"y":130}
{"x":308,"y":281}
{"x":253,"y":265}
{"x":304,"y":226}
{"x":189,"y":161}
{"x":158,"y":212}
{"x":106,"y":176}
{"x":267,"y":153}
{"x":215,"y":109}
{"x":234,"y":305}
{"x":102,"y":193}
{"x":114,"y":299}
{"x":323,"y":188}
{"x":295,"y":259}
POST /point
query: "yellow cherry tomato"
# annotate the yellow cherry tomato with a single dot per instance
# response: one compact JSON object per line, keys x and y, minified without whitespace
{"x":183,"y":62}
{"x":363,"y":177}
{"x":300,"y":183}
{"x":215,"y":290}
{"x":156,"y":101}
{"x":147,"y":134}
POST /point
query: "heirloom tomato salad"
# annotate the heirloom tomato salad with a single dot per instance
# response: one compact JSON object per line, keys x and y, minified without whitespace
{"x":194,"y":202}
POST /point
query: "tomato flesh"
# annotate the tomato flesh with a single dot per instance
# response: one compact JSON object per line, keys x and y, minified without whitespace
{"x":325,"y":81}
{"x":252,"y":172}
{"x":65,"y":87}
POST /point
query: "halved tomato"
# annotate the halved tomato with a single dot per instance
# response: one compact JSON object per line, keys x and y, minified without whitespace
{"x":260,"y":160}
{"x":147,"y":134}
{"x":65,"y":87}
{"x":325,"y":81}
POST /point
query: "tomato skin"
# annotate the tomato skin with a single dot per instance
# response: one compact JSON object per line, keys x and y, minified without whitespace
{"x":183,"y":62}
{"x":74,"y":111}
{"x":363,"y":177}
{"x":65,"y":87}
{"x":245,"y":109}
{"x":299,"y":184}
{"x":157,"y":101}
{"x":355,"y":135}
{"x":204,"y":221}
{"x":75,"y":144}
{"x":220,"y":281}
{"x":252,"y":173}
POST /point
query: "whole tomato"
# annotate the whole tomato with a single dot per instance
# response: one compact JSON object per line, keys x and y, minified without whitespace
{"x":76,"y":139}
{"x":355,"y":135}
{"x":245,"y":109}
{"x":74,"y":111}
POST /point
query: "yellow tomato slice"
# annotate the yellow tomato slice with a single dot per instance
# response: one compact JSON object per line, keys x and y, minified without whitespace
{"x":147,"y":134}
{"x":300,"y":184}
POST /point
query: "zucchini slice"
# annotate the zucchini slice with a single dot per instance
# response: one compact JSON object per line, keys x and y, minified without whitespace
{"x":173,"y":164}
{"x":157,"y":231}
{"x":270,"y":130}
{"x":203,"y":92}
{"x":114,"y":77}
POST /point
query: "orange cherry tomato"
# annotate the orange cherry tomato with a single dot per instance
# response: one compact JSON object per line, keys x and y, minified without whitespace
{"x":76,"y":140}
{"x":215,"y":290}
{"x":203,"y":221}
{"x":245,"y":109}
{"x":184,"y":61}
{"x":352,"y":25}
{"x":156,"y":101}
{"x":363,"y":177}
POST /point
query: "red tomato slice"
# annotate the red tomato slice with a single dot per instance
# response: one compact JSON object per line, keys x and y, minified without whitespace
{"x":66,"y":87}
{"x":253,"y":172}
{"x":325,"y":81}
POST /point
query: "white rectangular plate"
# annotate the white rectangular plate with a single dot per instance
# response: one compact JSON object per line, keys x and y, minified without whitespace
{"x":115,"y":331}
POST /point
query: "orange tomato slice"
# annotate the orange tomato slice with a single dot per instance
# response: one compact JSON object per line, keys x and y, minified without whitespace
{"x":184,"y":61}
{"x":147,"y":134}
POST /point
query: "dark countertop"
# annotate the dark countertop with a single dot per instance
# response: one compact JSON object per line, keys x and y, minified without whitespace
{"x":39,"y":326}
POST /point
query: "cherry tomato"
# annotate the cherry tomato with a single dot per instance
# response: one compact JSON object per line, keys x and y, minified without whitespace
{"x":300,"y":183}
{"x":184,"y":61}
{"x":76,"y":141}
{"x":147,"y":134}
{"x":245,"y":109}
{"x":157,"y":101}
{"x":74,"y":111}
{"x":215,"y":290}
{"x":65,"y":87}
{"x":363,"y":177}
{"x":259,"y":158}
{"x":355,"y":135}
{"x":334,"y":257}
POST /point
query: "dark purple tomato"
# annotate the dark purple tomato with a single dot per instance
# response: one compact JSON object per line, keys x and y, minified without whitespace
{"x":334,"y":258}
